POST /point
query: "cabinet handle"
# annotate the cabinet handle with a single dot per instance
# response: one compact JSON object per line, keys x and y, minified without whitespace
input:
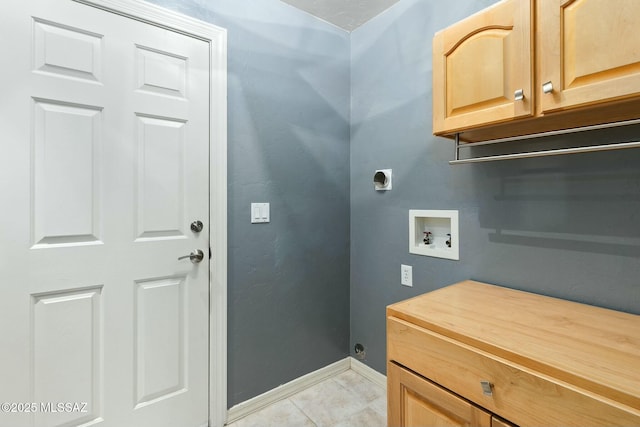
{"x":547,"y":87}
{"x":518,"y":95}
{"x":487,"y":388}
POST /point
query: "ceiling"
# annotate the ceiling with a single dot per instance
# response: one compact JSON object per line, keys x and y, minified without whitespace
{"x":347,"y":14}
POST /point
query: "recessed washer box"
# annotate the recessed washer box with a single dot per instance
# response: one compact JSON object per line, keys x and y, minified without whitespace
{"x":443,"y":238}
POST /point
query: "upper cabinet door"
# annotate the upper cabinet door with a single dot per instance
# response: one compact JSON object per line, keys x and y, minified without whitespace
{"x":481,"y":65}
{"x":589,"y":52}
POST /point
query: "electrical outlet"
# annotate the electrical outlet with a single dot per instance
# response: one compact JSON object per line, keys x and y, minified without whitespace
{"x":406,"y":275}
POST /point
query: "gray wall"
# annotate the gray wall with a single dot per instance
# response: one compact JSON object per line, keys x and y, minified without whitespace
{"x":288,"y":139}
{"x":567,"y":227}
{"x":313,"y":111}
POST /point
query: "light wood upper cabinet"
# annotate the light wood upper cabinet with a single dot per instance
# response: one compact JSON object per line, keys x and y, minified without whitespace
{"x":589,"y":51}
{"x":479,"y":64}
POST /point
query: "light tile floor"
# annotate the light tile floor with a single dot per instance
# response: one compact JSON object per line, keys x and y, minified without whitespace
{"x":346,"y":400}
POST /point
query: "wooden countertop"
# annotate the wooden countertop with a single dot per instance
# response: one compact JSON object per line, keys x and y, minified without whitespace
{"x":590,"y":347}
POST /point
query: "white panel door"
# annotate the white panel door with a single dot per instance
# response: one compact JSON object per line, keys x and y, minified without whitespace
{"x":104,"y":140}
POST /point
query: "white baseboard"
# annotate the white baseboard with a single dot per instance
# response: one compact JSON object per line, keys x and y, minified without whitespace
{"x":284,"y":391}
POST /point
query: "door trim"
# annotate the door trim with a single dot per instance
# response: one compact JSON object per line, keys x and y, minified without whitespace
{"x":217,"y":39}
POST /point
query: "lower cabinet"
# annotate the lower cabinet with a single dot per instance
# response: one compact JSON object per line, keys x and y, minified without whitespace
{"x":474,"y":354}
{"x":416,"y":401}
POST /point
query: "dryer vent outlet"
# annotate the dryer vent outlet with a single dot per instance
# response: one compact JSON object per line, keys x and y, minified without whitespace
{"x":382,"y":180}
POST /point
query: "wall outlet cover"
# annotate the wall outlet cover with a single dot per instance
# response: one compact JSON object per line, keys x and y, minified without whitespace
{"x":406,"y":275}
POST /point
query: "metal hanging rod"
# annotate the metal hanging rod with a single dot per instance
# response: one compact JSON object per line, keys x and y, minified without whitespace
{"x":545,"y":153}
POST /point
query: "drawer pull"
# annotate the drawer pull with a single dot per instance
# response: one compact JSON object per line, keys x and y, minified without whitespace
{"x":487,"y":388}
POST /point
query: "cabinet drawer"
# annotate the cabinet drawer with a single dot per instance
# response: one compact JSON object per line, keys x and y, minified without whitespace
{"x":519,"y":394}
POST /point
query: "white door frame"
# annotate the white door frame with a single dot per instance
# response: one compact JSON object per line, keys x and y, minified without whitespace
{"x":217,"y":39}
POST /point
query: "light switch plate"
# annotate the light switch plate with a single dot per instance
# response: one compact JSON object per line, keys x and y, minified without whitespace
{"x":260,"y":213}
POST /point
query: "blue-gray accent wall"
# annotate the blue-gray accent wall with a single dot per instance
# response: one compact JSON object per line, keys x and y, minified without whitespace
{"x":567,"y":226}
{"x":288,"y":144}
{"x":313,"y":112}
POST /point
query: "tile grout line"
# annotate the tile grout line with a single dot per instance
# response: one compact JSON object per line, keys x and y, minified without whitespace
{"x":351,"y":389}
{"x":302,"y":410}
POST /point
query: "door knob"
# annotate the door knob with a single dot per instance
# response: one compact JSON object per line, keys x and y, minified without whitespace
{"x":547,"y":87}
{"x":195,"y":256}
{"x":196,"y":226}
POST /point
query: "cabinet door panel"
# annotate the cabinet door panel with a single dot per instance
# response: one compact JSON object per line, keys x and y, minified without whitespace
{"x":416,"y":401}
{"x":499,"y":422}
{"x":478,"y":64}
{"x":590,"y":51}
